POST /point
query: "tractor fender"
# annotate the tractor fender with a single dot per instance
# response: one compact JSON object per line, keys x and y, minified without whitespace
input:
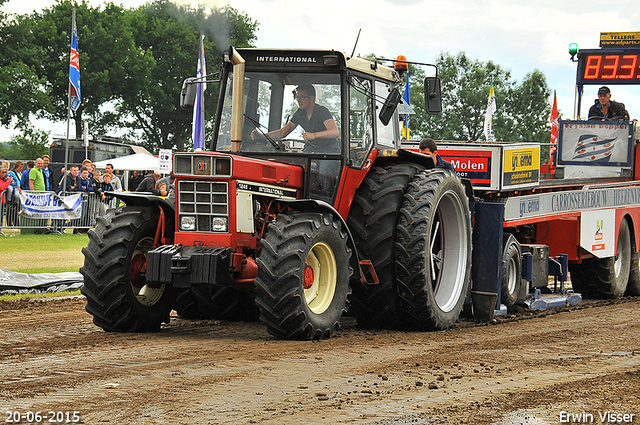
{"x":142,"y":199}
{"x":314,"y":205}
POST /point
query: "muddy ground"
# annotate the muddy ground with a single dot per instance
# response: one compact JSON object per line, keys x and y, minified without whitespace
{"x":527,"y":368}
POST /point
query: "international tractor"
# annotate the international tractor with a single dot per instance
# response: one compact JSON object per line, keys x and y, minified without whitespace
{"x":286,"y":231}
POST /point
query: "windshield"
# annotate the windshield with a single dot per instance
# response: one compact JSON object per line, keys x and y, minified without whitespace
{"x":285,"y":113}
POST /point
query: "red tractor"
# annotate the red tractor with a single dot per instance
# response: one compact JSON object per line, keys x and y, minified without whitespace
{"x":270,"y":224}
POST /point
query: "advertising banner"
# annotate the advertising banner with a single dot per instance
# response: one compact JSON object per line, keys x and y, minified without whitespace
{"x":50,"y":205}
{"x":590,"y":142}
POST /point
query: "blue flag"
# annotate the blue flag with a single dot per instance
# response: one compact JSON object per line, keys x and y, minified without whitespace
{"x":198,"y":111}
{"x":407,"y":100}
{"x":74,"y":71}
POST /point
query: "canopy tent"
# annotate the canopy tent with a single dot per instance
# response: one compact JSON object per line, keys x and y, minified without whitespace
{"x":137,"y":161}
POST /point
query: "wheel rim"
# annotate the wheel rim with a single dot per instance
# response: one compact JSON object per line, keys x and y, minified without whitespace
{"x":321,"y":275}
{"x":512,"y":272}
{"x":448,"y":251}
{"x":145,"y":294}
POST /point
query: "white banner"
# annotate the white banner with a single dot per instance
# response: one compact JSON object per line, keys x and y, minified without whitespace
{"x":50,"y":205}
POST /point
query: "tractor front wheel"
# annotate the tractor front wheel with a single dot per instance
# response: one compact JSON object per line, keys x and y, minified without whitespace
{"x":303,"y":276}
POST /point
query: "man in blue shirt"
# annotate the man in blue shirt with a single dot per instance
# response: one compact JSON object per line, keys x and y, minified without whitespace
{"x":429,"y":147}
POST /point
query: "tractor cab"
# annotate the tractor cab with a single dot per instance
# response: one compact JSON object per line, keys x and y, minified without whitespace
{"x":347,"y":93}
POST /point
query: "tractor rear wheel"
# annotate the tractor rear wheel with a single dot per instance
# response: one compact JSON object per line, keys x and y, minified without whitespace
{"x":114,"y":272}
{"x":433,"y":250}
{"x":605,"y":277}
{"x":303,"y":276}
{"x":373,"y":220}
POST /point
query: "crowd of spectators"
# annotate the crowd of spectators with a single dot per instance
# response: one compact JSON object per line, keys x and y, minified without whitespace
{"x":37,"y":175}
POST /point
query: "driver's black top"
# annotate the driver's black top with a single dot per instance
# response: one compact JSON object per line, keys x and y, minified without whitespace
{"x":316,"y":124}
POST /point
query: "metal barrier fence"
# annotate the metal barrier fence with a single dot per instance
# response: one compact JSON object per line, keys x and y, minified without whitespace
{"x":92,"y":207}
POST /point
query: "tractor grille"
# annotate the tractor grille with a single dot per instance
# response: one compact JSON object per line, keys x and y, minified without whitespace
{"x":206,"y":201}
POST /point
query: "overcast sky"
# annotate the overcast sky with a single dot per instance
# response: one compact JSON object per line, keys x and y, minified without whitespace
{"x":516,"y":34}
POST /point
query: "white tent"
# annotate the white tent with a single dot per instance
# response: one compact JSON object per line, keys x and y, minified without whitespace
{"x":137,"y":161}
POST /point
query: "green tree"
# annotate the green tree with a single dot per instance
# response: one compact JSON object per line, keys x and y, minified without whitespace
{"x":523,"y":108}
{"x":132,"y":64}
{"x":168,"y":36}
{"x":32,"y":143}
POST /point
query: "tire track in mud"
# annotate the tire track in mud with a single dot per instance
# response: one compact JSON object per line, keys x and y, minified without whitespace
{"x":228,"y":373}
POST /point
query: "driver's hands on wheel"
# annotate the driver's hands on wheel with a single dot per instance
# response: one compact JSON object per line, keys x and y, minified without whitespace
{"x":308,"y":137}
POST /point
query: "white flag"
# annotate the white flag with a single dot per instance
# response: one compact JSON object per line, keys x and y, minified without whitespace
{"x":491,"y":108}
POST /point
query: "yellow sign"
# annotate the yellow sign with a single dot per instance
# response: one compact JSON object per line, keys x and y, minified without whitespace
{"x":521,"y":165}
{"x":619,"y":39}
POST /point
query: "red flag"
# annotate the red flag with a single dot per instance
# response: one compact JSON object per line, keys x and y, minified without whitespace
{"x":554,"y":128}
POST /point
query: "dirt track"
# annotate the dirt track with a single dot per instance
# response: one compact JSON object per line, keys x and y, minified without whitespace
{"x":524,"y":369}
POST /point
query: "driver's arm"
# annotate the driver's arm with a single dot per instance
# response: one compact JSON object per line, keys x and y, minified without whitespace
{"x":331,"y":132}
{"x":277,"y":134}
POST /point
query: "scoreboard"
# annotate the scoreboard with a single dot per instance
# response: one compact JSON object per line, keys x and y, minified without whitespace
{"x":609,"y":66}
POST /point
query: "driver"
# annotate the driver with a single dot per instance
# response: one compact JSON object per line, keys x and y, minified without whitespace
{"x":320,"y":130}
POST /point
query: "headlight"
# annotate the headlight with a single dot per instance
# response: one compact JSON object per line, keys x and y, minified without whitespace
{"x":219,"y":224}
{"x":187,"y":223}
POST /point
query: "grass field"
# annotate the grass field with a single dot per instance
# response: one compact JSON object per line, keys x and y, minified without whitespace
{"x":42,"y":253}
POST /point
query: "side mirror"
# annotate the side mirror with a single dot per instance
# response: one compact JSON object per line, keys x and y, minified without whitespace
{"x":188,"y":93}
{"x":389,"y":106}
{"x":432,"y":95}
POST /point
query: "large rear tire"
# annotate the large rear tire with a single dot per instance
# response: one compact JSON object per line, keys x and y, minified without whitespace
{"x":433,"y":251}
{"x":303,"y":276}
{"x":114,"y":273}
{"x":605,"y":277}
{"x":373,"y":220}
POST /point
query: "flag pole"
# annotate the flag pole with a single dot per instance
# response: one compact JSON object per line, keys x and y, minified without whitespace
{"x":66,"y":144}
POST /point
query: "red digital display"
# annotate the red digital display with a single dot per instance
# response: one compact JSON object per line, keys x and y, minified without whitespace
{"x":619,"y":68}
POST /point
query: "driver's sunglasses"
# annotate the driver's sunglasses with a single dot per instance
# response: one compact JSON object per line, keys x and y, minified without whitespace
{"x":298,"y":97}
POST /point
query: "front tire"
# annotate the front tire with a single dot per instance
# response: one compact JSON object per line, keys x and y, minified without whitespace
{"x":605,"y":277}
{"x":303,"y":276}
{"x":433,"y":251}
{"x":114,"y":271}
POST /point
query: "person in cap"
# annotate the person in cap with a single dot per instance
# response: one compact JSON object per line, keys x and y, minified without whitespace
{"x":606,"y":109}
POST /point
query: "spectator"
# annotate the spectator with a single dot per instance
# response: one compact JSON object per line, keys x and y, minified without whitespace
{"x":89,"y":166}
{"x":24,"y":179}
{"x":5,"y":183}
{"x":169,"y":181}
{"x":36,"y":178}
{"x":47,"y":173}
{"x":106,"y":186}
{"x":71,"y":181}
{"x":116,"y":184}
{"x":86,"y":187}
{"x":86,"y":181}
{"x":149,"y":184}
{"x":14,"y":207}
{"x":96,"y":179}
{"x":15,"y":173}
{"x":134,"y":180}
